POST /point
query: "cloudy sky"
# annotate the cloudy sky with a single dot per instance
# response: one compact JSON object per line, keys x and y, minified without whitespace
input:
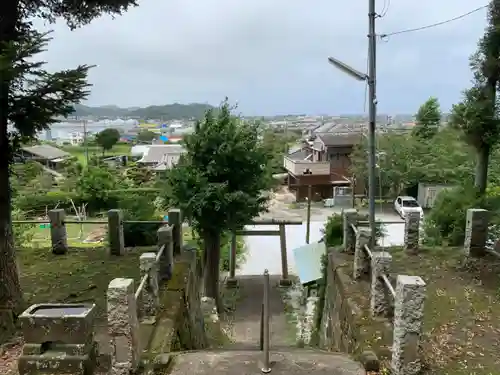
{"x":271,"y":56}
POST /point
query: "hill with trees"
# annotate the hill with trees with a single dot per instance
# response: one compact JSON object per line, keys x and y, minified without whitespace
{"x":174,"y":111}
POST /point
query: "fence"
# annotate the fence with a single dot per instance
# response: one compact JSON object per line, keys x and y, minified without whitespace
{"x":126,"y":305}
{"x":59,"y":238}
{"x":406,"y":299}
{"x":61,"y":328}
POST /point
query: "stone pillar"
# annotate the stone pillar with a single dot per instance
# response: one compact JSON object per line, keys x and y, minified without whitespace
{"x":349,"y":217}
{"x":408,"y":321}
{"x":412,"y":230}
{"x":476,"y":232}
{"x":115,"y":232}
{"x":361,"y":259}
{"x":123,"y":326}
{"x":175,"y":221}
{"x":166,"y":262}
{"x":231,"y":280}
{"x":58,"y":235}
{"x":150,"y":293}
{"x":381,"y":264}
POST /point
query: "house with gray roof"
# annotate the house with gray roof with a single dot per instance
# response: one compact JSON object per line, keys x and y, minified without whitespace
{"x":47,"y":155}
{"x":161,"y":157}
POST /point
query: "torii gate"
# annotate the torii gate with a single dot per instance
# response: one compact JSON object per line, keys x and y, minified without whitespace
{"x":281,"y":223}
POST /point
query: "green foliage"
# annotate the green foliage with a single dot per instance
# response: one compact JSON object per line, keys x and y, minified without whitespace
{"x":218,"y":183}
{"x":146,"y":136}
{"x":139,"y":207}
{"x":427,"y":119}
{"x":446,"y":221}
{"x":36,"y":203}
{"x":139,"y":175}
{"x":333,"y":230}
{"x":107,"y":138}
{"x":477,"y":115}
{"x":23,"y":233}
{"x":404,"y":161}
{"x":93,"y":187}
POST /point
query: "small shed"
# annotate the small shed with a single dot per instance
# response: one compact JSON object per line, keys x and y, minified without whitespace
{"x":427,"y":193}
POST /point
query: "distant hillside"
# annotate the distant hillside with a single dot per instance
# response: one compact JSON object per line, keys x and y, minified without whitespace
{"x":166,"y":112}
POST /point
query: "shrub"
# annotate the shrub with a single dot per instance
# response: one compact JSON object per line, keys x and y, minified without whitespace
{"x":334,"y":229}
{"x":447,"y":219}
{"x":139,"y":207}
{"x":23,"y":233}
{"x":35,"y":203}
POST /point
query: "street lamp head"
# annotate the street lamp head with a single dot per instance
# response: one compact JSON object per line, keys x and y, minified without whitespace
{"x":347,"y":69}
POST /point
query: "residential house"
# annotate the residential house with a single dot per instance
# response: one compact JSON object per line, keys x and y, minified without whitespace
{"x":322,"y":163}
{"x":161,"y":157}
{"x":47,"y":155}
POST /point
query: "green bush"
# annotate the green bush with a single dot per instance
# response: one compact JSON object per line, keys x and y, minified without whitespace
{"x":34,"y":204}
{"x":446,"y":221}
{"x":139,"y":207}
{"x":334,"y":229}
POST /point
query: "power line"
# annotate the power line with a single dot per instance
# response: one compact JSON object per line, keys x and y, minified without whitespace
{"x":433,"y":24}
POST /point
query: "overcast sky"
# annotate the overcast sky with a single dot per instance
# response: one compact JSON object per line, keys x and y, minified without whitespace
{"x":271,"y":55}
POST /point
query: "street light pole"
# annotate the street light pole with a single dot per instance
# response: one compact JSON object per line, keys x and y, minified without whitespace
{"x":308,"y":172}
{"x":372,"y":71}
{"x":370,"y":78}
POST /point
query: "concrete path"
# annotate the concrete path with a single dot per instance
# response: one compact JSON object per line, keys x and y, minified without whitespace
{"x":243,"y":324}
{"x":290,"y":362}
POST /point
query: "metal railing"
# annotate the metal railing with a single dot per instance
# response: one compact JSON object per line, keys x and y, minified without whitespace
{"x":265,"y":333}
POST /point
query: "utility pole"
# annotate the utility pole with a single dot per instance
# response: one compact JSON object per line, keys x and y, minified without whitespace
{"x":308,"y":172}
{"x":85,"y":144}
{"x":372,"y":77}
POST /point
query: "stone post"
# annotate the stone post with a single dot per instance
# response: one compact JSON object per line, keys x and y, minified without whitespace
{"x":58,"y":235}
{"x":408,"y":321}
{"x":381,"y":264}
{"x":150,"y":293}
{"x":115,"y":232}
{"x":123,"y":326}
{"x":476,"y":232}
{"x":361,"y":259}
{"x":412,"y":230}
{"x":349,"y":217}
{"x":166,"y":262}
{"x":175,"y":221}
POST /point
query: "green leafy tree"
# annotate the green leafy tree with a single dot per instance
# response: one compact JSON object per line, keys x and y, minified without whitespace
{"x":477,"y":115}
{"x":146,"y":136}
{"x":427,"y":119}
{"x":107,"y":138}
{"x":31,"y":99}
{"x":93,"y":186}
{"x":218,"y":183}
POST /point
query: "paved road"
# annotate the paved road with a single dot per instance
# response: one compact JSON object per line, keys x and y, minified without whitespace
{"x":264,"y":252}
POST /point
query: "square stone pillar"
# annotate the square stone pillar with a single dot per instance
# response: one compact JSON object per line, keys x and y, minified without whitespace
{"x":361,"y":259}
{"x":123,"y":326}
{"x":349,"y":216}
{"x":381,"y":264}
{"x":166,"y":263}
{"x":58,"y":235}
{"x":116,"y":240}
{"x":476,"y":232}
{"x":412,"y":230}
{"x":408,"y":322}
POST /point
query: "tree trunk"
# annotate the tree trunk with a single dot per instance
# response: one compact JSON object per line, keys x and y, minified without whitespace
{"x":211,"y":270}
{"x":10,"y":288}
{"x":481,"y":176}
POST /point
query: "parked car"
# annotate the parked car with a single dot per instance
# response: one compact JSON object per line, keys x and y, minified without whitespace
{"x":402,"y":204}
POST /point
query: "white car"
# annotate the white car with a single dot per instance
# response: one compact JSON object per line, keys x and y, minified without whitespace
{"x":402,"y":204}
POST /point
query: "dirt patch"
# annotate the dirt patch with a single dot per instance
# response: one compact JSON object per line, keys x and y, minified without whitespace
{"x":462,"y":310}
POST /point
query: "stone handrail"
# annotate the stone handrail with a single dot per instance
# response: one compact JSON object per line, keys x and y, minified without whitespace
{"x":408,"y":295}
{"x":127,"y":305}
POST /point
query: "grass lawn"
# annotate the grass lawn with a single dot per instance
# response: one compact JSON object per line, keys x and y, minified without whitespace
{"x":79,"y":151}
{"x":462,"y":311}
{"x":76,"y":235}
